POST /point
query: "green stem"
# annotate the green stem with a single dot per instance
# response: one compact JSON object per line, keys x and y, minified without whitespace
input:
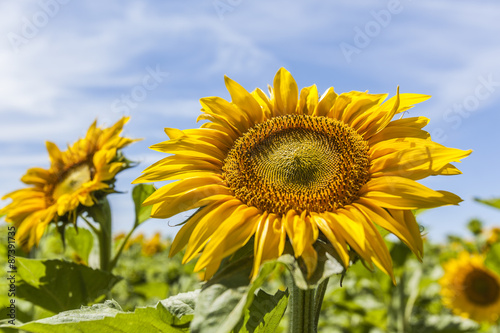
{"x":101,"y":213}
{"x":318,"y":300}
{"x":94,"y":229}
{"x":305,"y":306}
{"x":120,"y":250}
{"x":403,"y":327}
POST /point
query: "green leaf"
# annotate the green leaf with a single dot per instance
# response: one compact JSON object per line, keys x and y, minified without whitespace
{"x":81,"y":241}
{"x":139,"y":194}
{"x":493,"y":258}
{"x":494,"y":202}
{"x":152,"y":289}
{"x":227,"y":295}
{"x":109,"y":318}
{"x":58,"y":285}
{"x":265,"y":313}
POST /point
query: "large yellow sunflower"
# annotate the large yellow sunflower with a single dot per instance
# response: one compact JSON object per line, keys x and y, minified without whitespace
{"x":470,"y":289}
{"x":296,"y":166}
{"x":74,"y":177}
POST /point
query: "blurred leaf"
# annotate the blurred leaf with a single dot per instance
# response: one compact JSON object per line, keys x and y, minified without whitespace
{"x":495,"y":202}
{"x":445,"y":324}
{"x":139,"y":194}
{"x":475,"y":226}
{"x":109,"y":318}
{"x":493,"y":258}
{"x":265,"y":313}
{"x":80,"y":241}
{"x":152,"y":289}
{"x":58,"y":285}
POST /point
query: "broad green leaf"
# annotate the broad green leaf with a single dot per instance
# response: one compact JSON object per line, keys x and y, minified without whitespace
{"x":109,"y":318}
{"x":81,"y":241}
{"x":225,"y":297}
{"x":493,"y":258}
{"x":139,"y":194}
{"x":494,"y":202}
{"x":265,"y":313}
{"x":58,"y":285}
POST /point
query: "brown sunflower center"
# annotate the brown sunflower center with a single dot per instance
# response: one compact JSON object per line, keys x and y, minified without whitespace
{"x":72,"y":180}
{"x":298,"y":162}
{"x":481,"y":287}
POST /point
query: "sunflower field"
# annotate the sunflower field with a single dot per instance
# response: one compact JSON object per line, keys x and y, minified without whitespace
{"x":304,"y":217}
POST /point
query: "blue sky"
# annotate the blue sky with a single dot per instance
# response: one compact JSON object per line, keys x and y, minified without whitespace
{"x":64,"y":63}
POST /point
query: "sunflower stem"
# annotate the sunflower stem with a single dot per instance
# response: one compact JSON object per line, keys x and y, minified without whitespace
{"x":101,"y":214}
{"x":120,"y":250}
{"x":305,"y":306}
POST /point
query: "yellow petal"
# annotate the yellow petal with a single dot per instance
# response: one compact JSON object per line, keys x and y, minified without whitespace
{"x":401,"y":193}
{"x":245,"y":101}
{"x":325,"y":103}
{"x":416,"y":163}
{"x":220,"y":107}
{"x":308,"y":100}
{"x":201,"y":184}
{"x":286,"y":93}
{"x":207,"y":225}
{"x":192,"y":199}
{"x":232,"y":233}
{"x":339,"y":246}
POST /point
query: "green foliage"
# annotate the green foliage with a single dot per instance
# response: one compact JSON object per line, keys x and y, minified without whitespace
{"x":81,"y":241}
{"x":139,"y":194}
{"x":494,"y":202}
{"x":58,"y":285}
{"x":265,"y":313}
{"x":170,"y":316}
{"x":493,"y":258}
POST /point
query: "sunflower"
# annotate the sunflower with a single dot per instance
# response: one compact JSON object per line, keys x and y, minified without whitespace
{"x":470,"y":289}
{"x":296,"y":167}
{"x":75,"y":177}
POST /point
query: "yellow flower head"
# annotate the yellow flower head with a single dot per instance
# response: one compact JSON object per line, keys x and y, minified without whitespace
{"x":470,"y":289}
{"x":297,"y":166}
{"x":152,"y":246}
{"x":75,"y":175}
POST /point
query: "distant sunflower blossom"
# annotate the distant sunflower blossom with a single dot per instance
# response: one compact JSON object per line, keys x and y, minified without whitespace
{"x":297,"y":166}
{"x":75,"y":177}
{"x":470,"y":289}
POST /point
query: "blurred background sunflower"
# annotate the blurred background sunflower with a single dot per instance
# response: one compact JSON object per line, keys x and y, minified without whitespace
{"x":470,"y":289}
{"x":76,"y":179}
